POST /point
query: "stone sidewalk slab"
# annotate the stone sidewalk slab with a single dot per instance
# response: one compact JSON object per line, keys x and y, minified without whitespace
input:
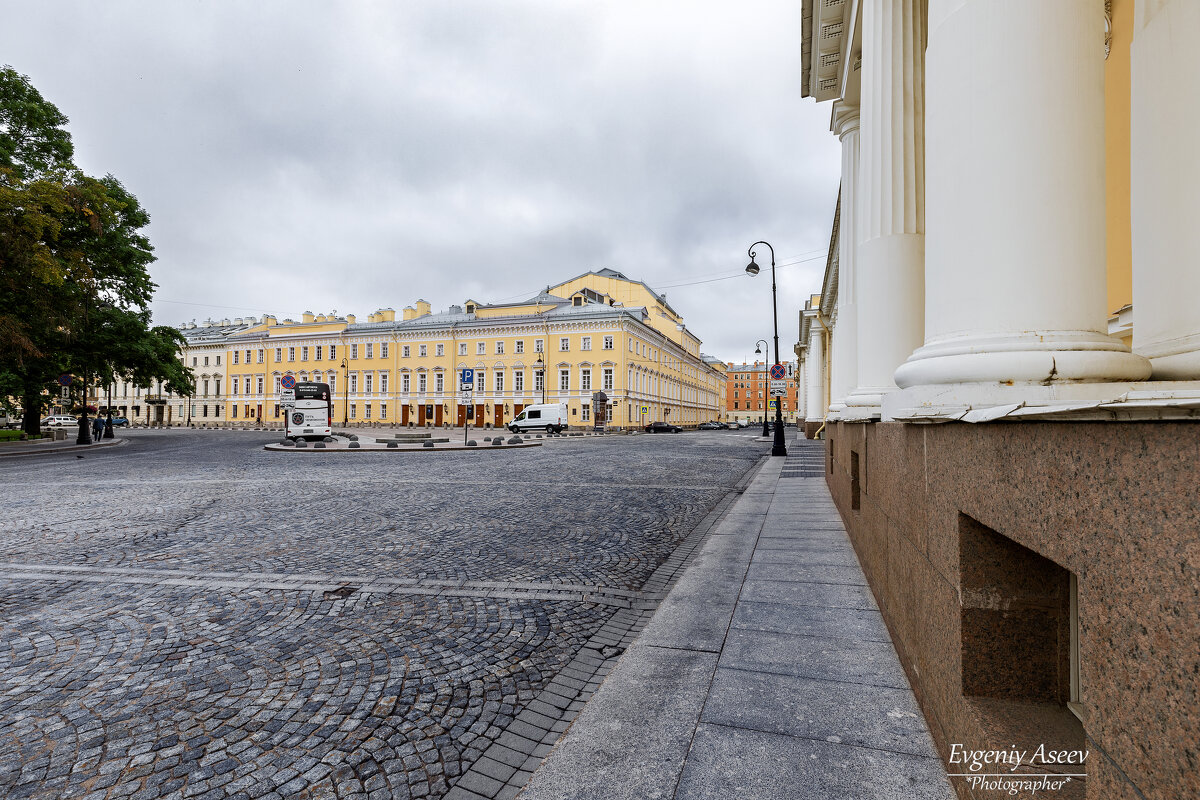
{"x":767,"y":673}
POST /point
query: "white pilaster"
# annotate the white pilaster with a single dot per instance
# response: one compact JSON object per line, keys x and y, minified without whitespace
{"x":843,"y":377}
{"x":1165,"y":182}
{"x":815,"y":374}
{"x":890,"y":215}
{"x":1014,"y":271}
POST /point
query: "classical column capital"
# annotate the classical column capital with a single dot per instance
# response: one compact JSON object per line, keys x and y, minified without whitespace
{"x":845,"y":119}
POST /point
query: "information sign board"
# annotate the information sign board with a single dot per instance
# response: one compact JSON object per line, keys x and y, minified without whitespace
{"x":288,"y":395}
{"x":465,"y":396}
{"x":466,"y":375}
{"x":778,"y":372}
{"x":779,"y":384}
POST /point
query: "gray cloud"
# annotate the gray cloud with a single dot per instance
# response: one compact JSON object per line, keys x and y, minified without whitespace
{"x":315,"y":156}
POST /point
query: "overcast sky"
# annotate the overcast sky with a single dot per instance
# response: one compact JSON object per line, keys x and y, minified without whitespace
{"x":318,"y":156}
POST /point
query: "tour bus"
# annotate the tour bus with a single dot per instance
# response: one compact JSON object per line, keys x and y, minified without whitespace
{"x":550,"y":417}
{"x":312,"y":415}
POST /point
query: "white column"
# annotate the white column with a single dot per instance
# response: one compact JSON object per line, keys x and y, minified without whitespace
{"x":1015,"y":260}
{"x":1165,"y":177}
{"x":815,"y":374}
{"x":843,"y":377}
{"x":890,"y":213}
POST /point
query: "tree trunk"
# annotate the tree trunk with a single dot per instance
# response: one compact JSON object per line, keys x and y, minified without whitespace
{"x":32,"y":411}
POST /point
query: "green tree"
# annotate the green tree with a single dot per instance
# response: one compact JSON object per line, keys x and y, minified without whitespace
{"x":74,"y":286}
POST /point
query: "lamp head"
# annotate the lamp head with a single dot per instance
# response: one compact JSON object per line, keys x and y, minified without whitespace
{"x":757,"y":350}
{"x":752,"y":268}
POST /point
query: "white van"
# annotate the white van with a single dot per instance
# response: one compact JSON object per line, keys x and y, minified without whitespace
{"x":551,"y":417}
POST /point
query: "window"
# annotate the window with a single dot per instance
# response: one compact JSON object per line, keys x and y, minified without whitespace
{"x":462,"y":348}
{"x":291,"y":354}
{"x":519,"y":381}
{"x":538,"y":346}
{"x":564,"y":380}
{"x":520,"y":346}
{"x":586,"y":343}
{"x":317,"y":354}
{"x":354,"y":382}
{"x":480,"y":381}
{"x":332,"y":383}
{"x":440,"y":350}
{"x":608,"y":379}
{"x":585,"y":380}
{"x":206,"y":388}
{"x":194,"y":359}
{"x":405,"y":351}
{"x":247,"y":384}
{"x":608,"y":343}
{"x":539,"y":379}
{"x":204,"y":411}
{"x":499,"y":348}
{"x":422,"y":383}
{"x":235,"y":356}
{"x":332,"y":351}
{"x":278,"y":354}
{"x":383,"y":410}
{"x":439,"y":382}
{"x":276,"y":410}
{"x":383,"y":382}
{"x":587,"y":413}
{"x":367,"y":411}
{"x":405,"y":383}
{"x":423,"y":350}
{"x":499,"y":381}
{"x":304,"y":354}
{"x":353,"y":352}
{"x":217,"y":389}
{"x":276,"y":384}
{"x":383,"y":353}
{"x":370,"y":376}
{"x":564,"y":344}
{"x":261,"y":353}
{"x":233,"y":407}
{"x":353,"y":410}
{"x":206,"y":361}
{"x":259,"y":385}
{"x":218,"y":361}
{"x":370,"y":352}
{"x":247,"y":356}
{"x":480,"y":348}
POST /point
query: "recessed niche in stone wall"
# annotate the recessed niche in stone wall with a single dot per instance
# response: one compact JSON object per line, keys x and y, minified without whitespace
{"x":1016,"y":627}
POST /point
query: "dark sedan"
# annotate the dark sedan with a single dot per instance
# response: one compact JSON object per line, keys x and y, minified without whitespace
{"x":710,"y":426}
{"x":663,"y":427}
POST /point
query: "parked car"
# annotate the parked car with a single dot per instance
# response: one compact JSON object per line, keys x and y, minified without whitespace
{"x":709,"y":426}
{"x":663,"y":427}
{"x":120,"y":422}
{"x":59,"y":421}
{"x":550,"y":417}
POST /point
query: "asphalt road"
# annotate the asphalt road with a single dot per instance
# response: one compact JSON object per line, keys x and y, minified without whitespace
{"x":190,"y":616}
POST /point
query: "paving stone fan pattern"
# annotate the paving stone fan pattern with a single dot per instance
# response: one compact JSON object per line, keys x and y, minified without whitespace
{"x":179,"y":619}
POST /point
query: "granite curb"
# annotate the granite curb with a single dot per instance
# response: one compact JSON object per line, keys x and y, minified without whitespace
{"x":55,"y":448}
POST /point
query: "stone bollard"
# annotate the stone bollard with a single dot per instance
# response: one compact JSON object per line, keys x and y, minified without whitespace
{"x":392,"y":445}
{"x":472,"y":443}
{"x":354,"y":445}
{"x":426,"y":444}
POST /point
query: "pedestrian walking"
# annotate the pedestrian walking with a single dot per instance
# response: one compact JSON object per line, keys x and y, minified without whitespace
{"x":98,"y":427}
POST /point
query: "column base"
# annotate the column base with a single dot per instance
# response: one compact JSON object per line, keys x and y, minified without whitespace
{"x":1036,"y":358}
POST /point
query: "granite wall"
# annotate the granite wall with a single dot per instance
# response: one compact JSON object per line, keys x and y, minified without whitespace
{"x":976,"y":539}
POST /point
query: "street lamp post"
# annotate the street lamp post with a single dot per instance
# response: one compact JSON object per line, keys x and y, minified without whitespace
{"x":542,"y":369}
{"x":759,"y":348}
{"x":346,"y":391}
{"x":777,"y":448}
{"x":108,"y":431}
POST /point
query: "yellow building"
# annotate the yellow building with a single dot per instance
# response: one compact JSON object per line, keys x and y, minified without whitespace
{"x":600,"y":331}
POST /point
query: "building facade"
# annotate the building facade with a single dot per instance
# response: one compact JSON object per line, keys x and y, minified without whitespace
{"x":598,"y":332}
{"x":1005,"y":363}
{"x":748,"y":394}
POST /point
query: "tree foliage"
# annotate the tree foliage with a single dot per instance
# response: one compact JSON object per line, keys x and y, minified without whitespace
{"x":74,"y":285}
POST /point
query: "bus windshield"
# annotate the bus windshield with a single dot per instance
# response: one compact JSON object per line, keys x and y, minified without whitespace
{"x":312,"y":391}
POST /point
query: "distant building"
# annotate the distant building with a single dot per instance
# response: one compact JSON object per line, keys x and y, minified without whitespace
{"x":748,"y":393}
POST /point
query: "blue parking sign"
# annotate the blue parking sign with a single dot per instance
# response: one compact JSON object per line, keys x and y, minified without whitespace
{"x":468,"y":376}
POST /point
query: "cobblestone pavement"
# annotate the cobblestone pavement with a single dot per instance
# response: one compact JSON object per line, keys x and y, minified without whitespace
{"x":190,"y":616}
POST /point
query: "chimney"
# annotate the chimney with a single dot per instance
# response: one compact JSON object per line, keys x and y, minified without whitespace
{"x":409,"y":313}
{"x":423,"y":308}
{"x":388,"y":315}
{"x":350,"y":318}
{"x":307,"y":316}
{"x":270,"y":320}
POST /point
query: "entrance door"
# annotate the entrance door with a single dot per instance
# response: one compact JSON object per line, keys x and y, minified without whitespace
{"x":421,"y":415}
{"x":404,"y":414}
{"x":479,"y":415}
{"x":498,"y":415}
{"x":437,"y":415}
{"x":158,"y":413}
{"x":462,"y":415}
{"x":517,"y":409}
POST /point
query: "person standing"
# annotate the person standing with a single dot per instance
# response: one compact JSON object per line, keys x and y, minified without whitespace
{"x":97,"y":428}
